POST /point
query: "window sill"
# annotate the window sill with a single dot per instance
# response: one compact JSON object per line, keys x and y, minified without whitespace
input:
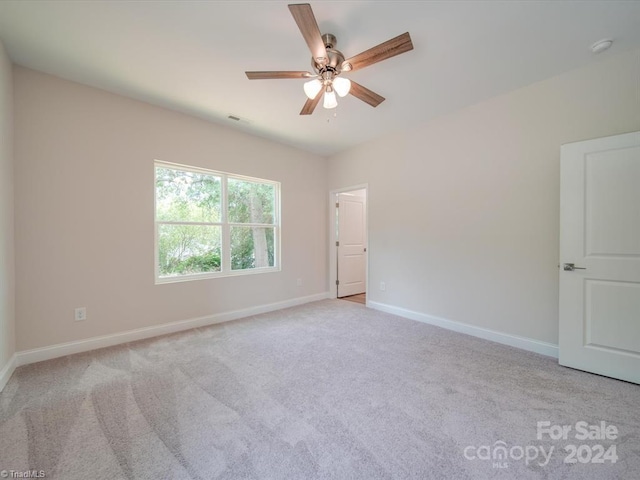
{"x":211,"y":275}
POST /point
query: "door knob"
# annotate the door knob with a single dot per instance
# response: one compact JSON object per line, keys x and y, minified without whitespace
{"x":570,"y":267}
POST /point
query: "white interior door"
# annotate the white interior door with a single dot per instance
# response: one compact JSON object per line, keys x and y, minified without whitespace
{"x":352,"y":244}
{"x":600,"y":235}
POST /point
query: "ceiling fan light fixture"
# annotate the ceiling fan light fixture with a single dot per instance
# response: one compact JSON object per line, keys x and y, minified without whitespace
{"x":330,"y":100}
{"x":342,"y":86}
{"x":312,"y":88}
{"x":327,"y":63}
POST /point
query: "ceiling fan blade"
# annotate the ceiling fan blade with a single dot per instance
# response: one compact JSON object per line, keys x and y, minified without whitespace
{"x":390,"y":48}
{"x":303,"y":15}
{"x":277,"y":75}
{"x":311,"y":104}
{"x":366,"y":95}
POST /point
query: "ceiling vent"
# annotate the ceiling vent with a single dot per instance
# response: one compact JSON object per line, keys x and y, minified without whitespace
{"x":238,"y":119}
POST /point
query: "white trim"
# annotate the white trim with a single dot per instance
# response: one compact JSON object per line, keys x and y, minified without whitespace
{"x":60,"y":350}
{"x":543,"y":348}
{"x":210,"y":275}
{"x":333,"y":254}
{"x":7,"y":371}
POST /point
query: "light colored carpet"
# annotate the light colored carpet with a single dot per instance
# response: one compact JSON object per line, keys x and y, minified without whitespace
{"x":324,"y":390}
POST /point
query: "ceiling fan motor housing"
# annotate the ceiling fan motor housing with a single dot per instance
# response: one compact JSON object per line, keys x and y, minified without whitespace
{"x":333,"y":66}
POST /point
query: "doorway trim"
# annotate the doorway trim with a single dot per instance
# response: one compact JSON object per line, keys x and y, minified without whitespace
{"x":333,"y":252}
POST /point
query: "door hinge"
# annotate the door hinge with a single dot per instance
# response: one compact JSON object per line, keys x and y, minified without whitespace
{"x":337,"y":205}
{"x":337,"y":244}
{"x":337,"y":282}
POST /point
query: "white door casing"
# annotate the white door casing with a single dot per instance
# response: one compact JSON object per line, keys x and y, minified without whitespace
{"x":352,"y":244}
{"x":600,"y":232}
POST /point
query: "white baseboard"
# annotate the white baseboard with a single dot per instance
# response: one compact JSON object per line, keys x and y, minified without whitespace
{"x":7,"y":371}
{"x":60,"y":350}
{"x":543,"y":348}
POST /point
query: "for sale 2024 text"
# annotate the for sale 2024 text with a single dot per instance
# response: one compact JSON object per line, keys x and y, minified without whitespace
{"x":583,"y":431}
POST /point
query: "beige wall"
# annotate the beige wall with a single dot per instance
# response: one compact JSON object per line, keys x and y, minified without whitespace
{"x":84,"y":212}
{"x":7,"y":278}
{"x":464,"y":210}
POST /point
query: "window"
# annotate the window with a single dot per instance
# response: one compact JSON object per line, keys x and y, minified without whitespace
{"x":211,"y":224}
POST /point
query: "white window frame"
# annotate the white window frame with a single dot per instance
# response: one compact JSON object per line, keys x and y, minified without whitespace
{"x":225,"y":257}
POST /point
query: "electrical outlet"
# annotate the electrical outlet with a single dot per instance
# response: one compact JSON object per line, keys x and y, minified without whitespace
{"x":299,"y":282}
{"x":81,"y":314}
{"x":383,"y":286}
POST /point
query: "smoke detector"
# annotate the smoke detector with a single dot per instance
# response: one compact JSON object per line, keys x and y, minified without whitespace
{"x":601,"y":45}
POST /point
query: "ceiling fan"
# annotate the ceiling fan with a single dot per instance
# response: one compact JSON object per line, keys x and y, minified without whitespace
{"x":328,"y":64}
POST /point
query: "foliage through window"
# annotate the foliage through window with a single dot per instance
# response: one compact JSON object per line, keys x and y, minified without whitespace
{"x":213,"y":224}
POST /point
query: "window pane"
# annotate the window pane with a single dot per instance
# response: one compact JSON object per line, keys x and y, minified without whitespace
{"x":188,"y":249}
{"x":252,"y":247}
{"x":187,"y":196}
{"x":250,"y":202}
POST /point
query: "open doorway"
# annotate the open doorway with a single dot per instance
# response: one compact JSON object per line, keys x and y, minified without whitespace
{"x":349,"y":243}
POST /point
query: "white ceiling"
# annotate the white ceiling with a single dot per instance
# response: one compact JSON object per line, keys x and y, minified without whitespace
{"x":191,"y":56}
